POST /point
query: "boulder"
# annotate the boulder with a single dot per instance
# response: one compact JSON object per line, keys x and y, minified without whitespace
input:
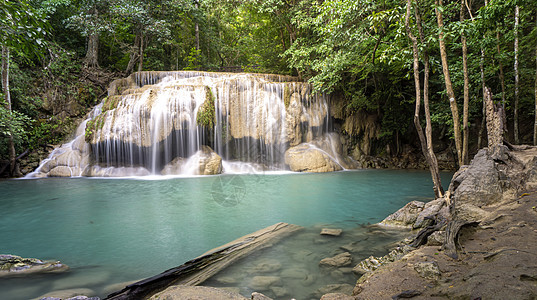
{"x":428,"y":270}
{"x":308,"y":158}
{"x":64,"y":171}
{"x":174,"y":167}
{"x":480,"y":183}
{"x":197,"y":293}
{"x":203,"y":162}
{"x":340,"y":260}
{"x":406,"y":216}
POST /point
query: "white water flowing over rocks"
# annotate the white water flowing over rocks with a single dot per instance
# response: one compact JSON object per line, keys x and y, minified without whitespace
{"x":201,"y":123}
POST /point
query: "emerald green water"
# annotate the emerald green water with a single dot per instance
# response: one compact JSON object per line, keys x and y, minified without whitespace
{"x":116,"y":230}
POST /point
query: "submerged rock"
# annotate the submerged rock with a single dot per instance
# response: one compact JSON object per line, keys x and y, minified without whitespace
{"x":340,"y":260}
{"x":196,"y":292}
{"x":12,"y":265}
{"x":70,"y":294}
{"x":263,"y":283}
{"x":332,"y":232}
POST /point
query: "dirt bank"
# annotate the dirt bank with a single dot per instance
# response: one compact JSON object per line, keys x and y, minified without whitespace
{"x":496,"y":253}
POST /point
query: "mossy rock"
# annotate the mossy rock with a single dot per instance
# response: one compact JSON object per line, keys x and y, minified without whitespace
{"x":206,"y":113}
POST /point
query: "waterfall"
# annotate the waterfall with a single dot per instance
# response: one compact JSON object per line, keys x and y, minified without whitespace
{"x":187,"y":122}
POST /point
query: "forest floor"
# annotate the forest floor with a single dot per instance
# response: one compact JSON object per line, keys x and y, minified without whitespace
{"x":497,"y":260}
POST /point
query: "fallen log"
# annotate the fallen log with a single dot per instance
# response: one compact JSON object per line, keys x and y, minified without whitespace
{"x":196,"y":271}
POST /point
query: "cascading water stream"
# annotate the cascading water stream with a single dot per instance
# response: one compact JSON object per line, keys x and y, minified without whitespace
{"x":170,"y":122}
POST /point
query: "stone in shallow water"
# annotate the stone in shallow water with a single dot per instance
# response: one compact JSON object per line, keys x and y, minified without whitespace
{"x":263,"y":283}
{"x":343,"y":288}
{"x":267,"y":266}
{"x":340,"y":260}
{"x":197,"y":293}
{"x":332,"y":232}
{"x":294,"y":273}
{"x":336,"y":296}
{"x":12,"y":265}
{"x":279,"y":292}
{"x":69,"y":293}
{"x":259,"y":296}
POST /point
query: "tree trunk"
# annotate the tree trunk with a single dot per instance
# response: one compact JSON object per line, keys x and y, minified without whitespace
{"x":448,"y":84}
{"x":141,"y":53}
{"x":482,"y":70}
{"x":535,"y":91}
{"x":502,"y":76}
{"x":426,"y":142}
{"x":92,"y":53}
{"x":466,"y":91}
{"x":7,"y":98}
{"x":135,"y":54}
{"x":515,"y":131}
{"x":495,"y":122}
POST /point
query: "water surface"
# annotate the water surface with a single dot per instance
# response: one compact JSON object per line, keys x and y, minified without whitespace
{"x":116,"y":230}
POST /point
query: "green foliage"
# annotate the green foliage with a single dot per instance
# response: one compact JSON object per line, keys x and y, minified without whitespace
{"x":193,"y":60}
{"x":206,"y":113}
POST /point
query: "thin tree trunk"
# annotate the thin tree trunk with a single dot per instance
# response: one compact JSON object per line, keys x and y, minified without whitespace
{"x":502,"y":76}
{"x":515,"y":131}
{"x":466,"y":91}
{"x":535,"y":91}
{"x":448,"y":84}
{"x":141,"y":54}
{"x":482,"y":70}
{"x":7,"y":98}
{"x":426,"y":142}
{"x":197,"y":29}
{"x":134,"y":53}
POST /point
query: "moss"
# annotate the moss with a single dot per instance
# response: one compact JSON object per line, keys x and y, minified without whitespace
{"x":206,"y":113}
{"x":286,"y":96}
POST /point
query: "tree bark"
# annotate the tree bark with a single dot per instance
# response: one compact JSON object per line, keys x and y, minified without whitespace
{"x":141,"y":53}
{"x":515,"y":131}
{"x":482,"y":70}
{"x":92,"y":53}
{"x":535,"y":91}
{"x":466,"y":91}
{"x":448,"y":84}
{"x":426,"y":142}
{"x":135,"y":54}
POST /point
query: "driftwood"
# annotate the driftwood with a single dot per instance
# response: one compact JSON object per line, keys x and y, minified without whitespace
{"x":196,"y":271}
{"x":423,"y":235}
{"x":452,"y":236}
